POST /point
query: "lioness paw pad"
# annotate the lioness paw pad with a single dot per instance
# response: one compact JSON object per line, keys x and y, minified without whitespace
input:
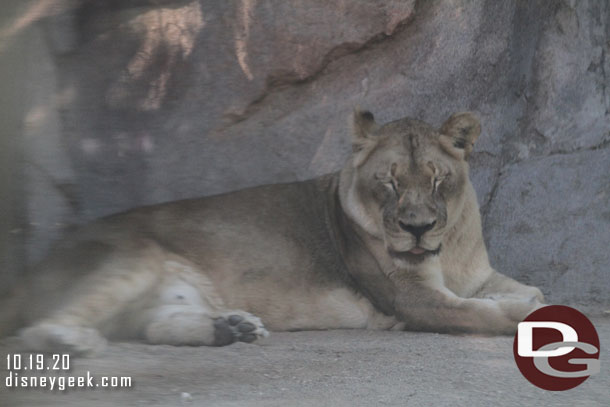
{"x":238,"y":326}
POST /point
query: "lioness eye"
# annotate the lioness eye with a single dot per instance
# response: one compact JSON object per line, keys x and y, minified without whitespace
{"x":394,"y":186}
{"x":437,"y":181}
{"x":388,"y":181}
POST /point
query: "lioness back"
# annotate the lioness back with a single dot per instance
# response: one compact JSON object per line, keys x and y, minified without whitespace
{"x":391,"y":241}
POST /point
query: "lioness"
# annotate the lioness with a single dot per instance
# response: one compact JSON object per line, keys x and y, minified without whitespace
{"x":392,"y":241}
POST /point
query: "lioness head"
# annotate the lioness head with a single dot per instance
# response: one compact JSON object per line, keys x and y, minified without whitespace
{"x":407,"y":181}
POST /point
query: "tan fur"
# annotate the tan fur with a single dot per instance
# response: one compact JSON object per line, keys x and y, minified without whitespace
{"x":335,"y":252}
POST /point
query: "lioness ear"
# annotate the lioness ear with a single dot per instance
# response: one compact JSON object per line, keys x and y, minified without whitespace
{"x":459,"y":133}
{"x":363,"y":137}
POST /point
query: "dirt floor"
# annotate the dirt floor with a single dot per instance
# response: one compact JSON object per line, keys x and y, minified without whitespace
{"x":331,"y":368}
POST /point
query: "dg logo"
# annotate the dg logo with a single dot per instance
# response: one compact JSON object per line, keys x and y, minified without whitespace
{"x":556,"y":348}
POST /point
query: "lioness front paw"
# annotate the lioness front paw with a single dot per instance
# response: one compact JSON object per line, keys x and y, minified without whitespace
{"x":537,"y":294}
{"x":518,"y":310}
{"x":527,"y":294}
{"x":237,"y":326}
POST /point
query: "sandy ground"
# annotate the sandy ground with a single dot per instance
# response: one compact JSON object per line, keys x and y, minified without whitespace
{"x":331,"y":368}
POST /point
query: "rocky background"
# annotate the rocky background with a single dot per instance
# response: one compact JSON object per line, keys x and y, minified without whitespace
{"x":110,"y":104}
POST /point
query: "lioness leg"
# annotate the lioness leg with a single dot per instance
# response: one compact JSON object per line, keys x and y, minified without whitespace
{"x":194,"y":325}
{"x":187,"y":311}
{"x":439,"y":310}
{"x":119,"y":280}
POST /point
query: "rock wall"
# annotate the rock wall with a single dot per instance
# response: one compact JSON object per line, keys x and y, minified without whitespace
{"x":143,"y":101}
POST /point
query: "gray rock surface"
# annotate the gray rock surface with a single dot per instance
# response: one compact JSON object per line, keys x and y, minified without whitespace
{"x":552,"y":213}
{"x":142,"y":101}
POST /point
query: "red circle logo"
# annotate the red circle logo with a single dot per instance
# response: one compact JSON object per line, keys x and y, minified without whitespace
{"x":556,"y":348}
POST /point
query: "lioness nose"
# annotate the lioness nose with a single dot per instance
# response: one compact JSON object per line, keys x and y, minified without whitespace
{"x":416,"y":230}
